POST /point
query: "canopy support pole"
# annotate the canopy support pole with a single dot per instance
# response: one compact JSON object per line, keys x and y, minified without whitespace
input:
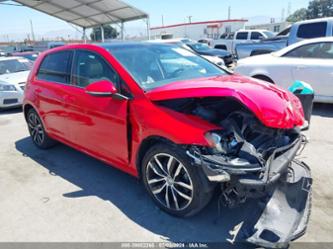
{"x":84,"y":37}
{"x":122,"y":31}
{"x":102,"y":33}
{"x":148,"y":28}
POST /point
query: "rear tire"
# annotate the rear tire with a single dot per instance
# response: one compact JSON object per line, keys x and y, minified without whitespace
{"x":37,"y":132}
{"x":175,"y":185}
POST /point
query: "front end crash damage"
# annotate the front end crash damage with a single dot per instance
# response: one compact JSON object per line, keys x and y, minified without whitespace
{"x":250,"y":160}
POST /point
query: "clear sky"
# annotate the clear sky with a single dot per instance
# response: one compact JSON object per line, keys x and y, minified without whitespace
{"x":15,"y":21}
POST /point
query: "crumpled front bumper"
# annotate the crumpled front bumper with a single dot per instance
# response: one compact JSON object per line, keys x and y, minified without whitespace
{"x":283,"y":209}
{"x":286,"y":213}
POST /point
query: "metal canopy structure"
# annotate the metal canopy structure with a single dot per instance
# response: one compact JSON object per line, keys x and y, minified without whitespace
{"x":88,"y":13}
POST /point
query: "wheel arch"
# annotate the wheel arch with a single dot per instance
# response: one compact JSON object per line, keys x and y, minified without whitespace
{"x":26,"y":109}
{"x":145,"y":145}
{"x":148,"y":142}
{"x":262,"y":76}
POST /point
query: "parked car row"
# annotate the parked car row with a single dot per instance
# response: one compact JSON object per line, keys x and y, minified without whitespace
{"x":299,"y":31}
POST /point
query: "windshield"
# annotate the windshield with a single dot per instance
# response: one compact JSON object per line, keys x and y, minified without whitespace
{"x":153,"y":65}
{"x":269,"y":34}
{"x":199,"y":47}
{"x":14,"y":66}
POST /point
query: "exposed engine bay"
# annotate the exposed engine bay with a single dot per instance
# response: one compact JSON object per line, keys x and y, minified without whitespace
{"x":250,"y":160}
{"x":242,"y":145}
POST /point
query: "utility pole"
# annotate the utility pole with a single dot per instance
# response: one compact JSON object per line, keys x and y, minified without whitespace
{"x":32,"y":31}
{"x":162,"y":21}
{"x":229,"y":12}
{"x":289,"y":9}
{"x":283,"y":15}
{"x":189,"y":19}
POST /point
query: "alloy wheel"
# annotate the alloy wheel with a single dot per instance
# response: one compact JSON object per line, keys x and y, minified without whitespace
{"x":36,"y":128}
{"x":169,"y":181}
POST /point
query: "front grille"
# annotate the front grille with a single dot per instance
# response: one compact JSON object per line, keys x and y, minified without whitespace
{"x":10,"y":101}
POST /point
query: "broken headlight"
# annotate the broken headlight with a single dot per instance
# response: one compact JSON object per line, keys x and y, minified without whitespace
{"x":222,"y":143}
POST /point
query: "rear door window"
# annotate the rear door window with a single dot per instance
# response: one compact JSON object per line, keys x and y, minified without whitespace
{"x":322,"y":50}
{"x":312,"y":30}
{"x":242,"y":36}
{"x":56,"y":67}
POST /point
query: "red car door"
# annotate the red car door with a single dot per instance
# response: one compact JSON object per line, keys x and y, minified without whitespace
{"x":50,"y":87}
{"x":97,"y":124}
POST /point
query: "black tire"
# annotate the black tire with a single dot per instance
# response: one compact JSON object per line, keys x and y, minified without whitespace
{"x":37,"y":132}
{"x":264,"y":78}
{"x":222,"y":47}
{"x":189,"y":175}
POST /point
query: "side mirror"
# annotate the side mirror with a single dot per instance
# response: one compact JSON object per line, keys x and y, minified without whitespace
{"x":102,"y":88}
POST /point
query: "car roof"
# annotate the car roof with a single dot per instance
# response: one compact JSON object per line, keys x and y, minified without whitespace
{"x":127,"y":44}
{"x":304,"y":42}
{"x":322,"y":19}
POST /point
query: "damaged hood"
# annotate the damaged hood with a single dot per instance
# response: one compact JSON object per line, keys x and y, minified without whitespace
{"x":273,"y":106}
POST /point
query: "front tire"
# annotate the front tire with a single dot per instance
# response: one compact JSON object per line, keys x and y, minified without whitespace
{"x":37,"y":131}
{"x":174,"y":184}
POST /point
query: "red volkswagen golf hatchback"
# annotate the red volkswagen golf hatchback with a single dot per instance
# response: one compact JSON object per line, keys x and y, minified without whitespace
{"x":179,"y":123}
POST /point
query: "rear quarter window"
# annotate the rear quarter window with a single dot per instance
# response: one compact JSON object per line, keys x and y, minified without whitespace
{"x":312,"y":30}
{"x":56,"y":67}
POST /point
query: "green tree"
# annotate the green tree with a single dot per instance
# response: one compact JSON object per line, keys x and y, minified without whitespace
{"x":316,"y":9}
{"x":109,"y":33}
{"x":320,"y":8}
{"x":298,"y":15}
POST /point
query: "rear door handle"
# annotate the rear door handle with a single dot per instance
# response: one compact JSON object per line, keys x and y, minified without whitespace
{"x":38,"y":90}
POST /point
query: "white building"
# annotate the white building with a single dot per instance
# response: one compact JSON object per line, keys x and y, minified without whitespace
{"x":197,"y":30}
{"x":273,"y":26}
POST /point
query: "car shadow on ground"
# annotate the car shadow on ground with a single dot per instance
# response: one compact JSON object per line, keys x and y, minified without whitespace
{"x":323,"y":110}
{"x":94,"y":178}
{"x":10,"y":111}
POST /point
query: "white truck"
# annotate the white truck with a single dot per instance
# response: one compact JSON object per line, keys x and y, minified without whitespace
{"x":229,"y":41}
{"x":309,"y":29}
